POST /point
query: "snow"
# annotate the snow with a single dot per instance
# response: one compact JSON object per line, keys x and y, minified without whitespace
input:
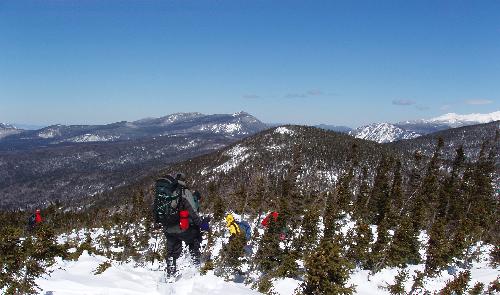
{"x":77,"y":277}
{"x":284,"y":130}
{"x":229,"y":128}
{"x":8,"y":131}
{"x":238,"y":154}
{"x":328,"y":176}
{"x":180,"y":117}
{"x":49,"y":133}
{"x":286,"y":286}
{"x":130,"y":278}
{"x":454,"y":118}
{"x":92,"y":138}
{"x":382,"y":133}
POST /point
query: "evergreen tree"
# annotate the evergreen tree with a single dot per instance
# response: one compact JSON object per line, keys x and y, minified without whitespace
{"x":231,"y":257}
{"x":268,"y":255}
{"x":380,"y":195}
{"x":458,"y":285}
{"x":396,"y":195}
{"x":477,"y":289}
{"x":378,"y":254}
{"x":363,"y":196}
{"x":359,"y":251}
{"x":437,"y":248}
{"x":405,"y":246}
{"x":308,"y":231}
{"x":398,"y":287}
{"x":328,"y":270}
{"x":330,"y":217}
{"x":449,"y":189}
{"x":288,"y":267}
{"x":427,"y":199}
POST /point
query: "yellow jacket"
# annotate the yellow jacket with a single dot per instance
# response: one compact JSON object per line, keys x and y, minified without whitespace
{"x":232,"y":225}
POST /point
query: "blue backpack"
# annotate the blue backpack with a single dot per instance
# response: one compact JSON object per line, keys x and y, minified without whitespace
{"x":245,"y":227}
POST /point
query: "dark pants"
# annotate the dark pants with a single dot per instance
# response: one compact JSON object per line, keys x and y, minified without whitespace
{"x":192,"y":237}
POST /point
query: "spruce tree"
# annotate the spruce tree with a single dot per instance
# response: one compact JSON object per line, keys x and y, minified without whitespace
{"x":380,"y":195}
{"x":378,"y":255}
{"x":327,"y":271}
{"x":398,"y":287}
{"x":362,"y":239}
{"x":405,"y":246}
{"x":396,"y":195}
{"x":308,"y":231}
{"x":268,"y":255}
{"x":437,"y":248}
{"x":458,"y":285}
{"x":231,"y":257}
{"x":363,"y":196}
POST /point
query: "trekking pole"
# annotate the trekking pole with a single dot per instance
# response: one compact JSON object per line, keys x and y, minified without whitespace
{"x":155,"y":247}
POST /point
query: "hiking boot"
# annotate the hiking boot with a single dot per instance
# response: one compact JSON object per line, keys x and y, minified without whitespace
{"x":171,"y":267}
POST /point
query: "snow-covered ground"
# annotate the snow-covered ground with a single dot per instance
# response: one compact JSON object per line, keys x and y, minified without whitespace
{"x":122,"y":278}
{"x":77,"y":277}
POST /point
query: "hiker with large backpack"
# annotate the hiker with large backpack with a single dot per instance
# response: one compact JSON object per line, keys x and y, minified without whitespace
{"x":176,"y":208}
{"x":240,"y":229}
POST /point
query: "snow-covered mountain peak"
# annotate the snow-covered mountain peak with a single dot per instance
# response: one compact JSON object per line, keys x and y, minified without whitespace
{"x":454,"y":118}
{"x":176,"y":117}
{"x":8,"y":129}
{"x":7,"y":126}
{"x":240,"y":113}
{"x":382,"y":133}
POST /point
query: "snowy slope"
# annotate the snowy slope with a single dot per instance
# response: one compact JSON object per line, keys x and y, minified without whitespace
{"x":8,"y":129}
{"x":382,"y":133}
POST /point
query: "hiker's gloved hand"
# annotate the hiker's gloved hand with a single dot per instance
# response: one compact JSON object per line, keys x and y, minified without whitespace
{"x":204,"y":226}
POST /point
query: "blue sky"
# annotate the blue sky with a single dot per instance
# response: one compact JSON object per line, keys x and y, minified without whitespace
{"x":306,"y":62}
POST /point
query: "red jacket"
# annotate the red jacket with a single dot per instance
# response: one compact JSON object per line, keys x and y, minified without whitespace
{"x":274,"y":214}
{"x":38,"y":217}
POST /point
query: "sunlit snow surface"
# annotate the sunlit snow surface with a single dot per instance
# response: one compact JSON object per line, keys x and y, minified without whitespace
{"x":238,"y":154}
{"x":283,"y":130}
{"x":77,"y":277}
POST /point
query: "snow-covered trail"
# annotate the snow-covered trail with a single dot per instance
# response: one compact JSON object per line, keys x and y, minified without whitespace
{"x":77,"y":277}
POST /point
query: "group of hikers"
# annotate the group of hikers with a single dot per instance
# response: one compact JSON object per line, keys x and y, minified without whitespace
{"x":177,"y":209}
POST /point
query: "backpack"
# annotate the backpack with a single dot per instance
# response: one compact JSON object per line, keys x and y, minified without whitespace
{"x":245,"y":228}
{"x":31,"y":221}
{"x":167,"y":201}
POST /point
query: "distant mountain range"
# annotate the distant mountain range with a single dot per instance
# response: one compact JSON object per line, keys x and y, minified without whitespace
{"x":235,"y":125}
{"x":388,"y":132}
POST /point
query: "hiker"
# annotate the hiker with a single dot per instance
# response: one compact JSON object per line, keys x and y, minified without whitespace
{"x":239,"y":229}
{"x":34,"y":220}
{"x":274,"y":215}
{"x":176,"y":208}
{"x":234,"y":228}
